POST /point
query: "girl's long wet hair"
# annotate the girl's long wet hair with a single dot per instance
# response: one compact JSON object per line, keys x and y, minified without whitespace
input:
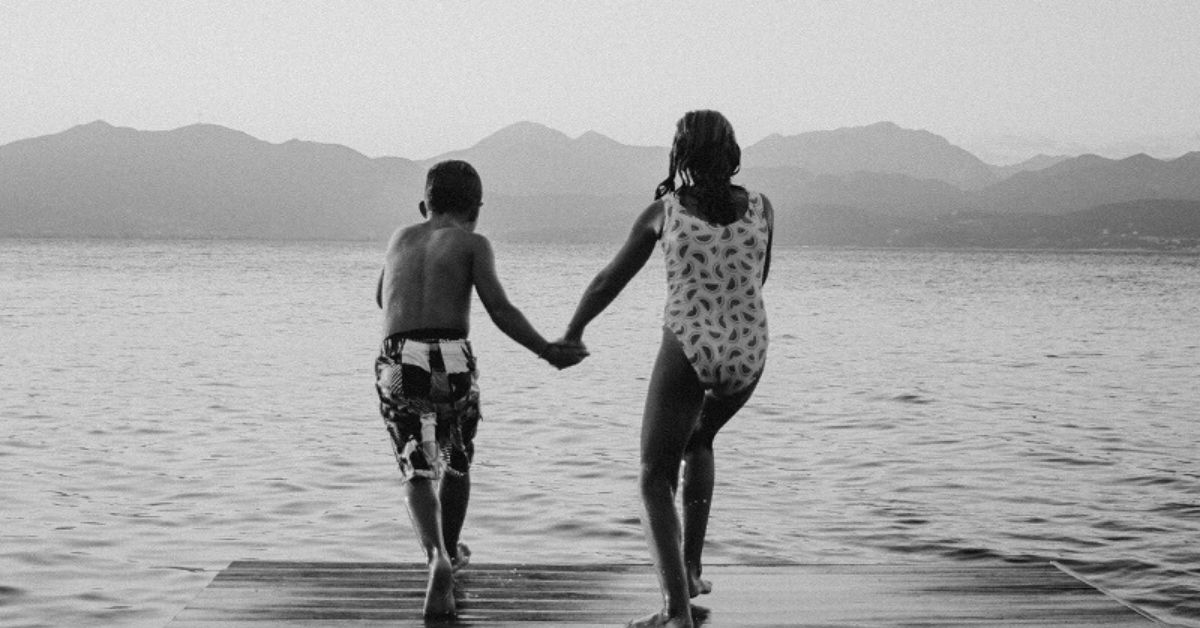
{"x":705,"y":155}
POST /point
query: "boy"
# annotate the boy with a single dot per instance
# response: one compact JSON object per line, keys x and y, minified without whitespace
{"x":425,"y":374}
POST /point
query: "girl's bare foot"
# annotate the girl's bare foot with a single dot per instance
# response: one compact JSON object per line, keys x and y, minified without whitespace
{"x":439,"y":595}
{"x":461,"y":558}
{"x":661,"y":619}
{"x":697,"y":585}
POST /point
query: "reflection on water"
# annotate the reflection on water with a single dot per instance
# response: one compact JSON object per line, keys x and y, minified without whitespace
{"x":172,"y":406}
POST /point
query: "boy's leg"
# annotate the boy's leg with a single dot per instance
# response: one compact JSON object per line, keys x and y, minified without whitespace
{"x":699,"y":473}
{"x":455,"y":494}
{"x":455,"y":491}
{"x":673,"y":404}
{"x":425,"y":512}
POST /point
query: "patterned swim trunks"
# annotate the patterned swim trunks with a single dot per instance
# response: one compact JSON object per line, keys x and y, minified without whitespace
{"x":429,"y":399}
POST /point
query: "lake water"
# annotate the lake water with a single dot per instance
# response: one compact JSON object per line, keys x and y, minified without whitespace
{"x":168,"y":407}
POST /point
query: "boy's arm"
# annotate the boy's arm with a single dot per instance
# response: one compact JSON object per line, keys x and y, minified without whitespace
{"x":610,"y":281}
{"x":503,"y":313}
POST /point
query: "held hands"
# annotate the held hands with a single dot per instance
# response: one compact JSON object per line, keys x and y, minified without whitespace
{"x":563,"y":353}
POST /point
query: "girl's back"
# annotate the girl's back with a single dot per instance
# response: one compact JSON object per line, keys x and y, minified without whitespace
{"x":714,"y":288}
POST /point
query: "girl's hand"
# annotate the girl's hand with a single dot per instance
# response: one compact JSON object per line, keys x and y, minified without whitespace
{"x":565,"y":353}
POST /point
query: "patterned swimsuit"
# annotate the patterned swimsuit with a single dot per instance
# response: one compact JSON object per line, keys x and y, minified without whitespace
{"x":714,"y":293}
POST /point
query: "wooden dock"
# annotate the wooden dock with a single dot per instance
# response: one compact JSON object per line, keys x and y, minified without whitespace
{"x":258,"y":594}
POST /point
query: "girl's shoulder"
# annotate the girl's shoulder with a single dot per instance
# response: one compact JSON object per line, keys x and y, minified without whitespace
{"x":688,"y":203}
{"x":755,"y":200}
{"x":653,"y":216}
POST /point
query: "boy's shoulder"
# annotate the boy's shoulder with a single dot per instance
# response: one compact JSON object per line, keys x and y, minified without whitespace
{"x":402,"y":236}
{"x":422,"y":233}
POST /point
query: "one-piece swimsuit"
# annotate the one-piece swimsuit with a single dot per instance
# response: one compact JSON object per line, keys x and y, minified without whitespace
{"x":714,"y":293}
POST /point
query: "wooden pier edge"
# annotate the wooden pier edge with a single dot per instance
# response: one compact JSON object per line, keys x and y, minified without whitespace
{"x":1109,"y":594}
{"x":262,"y":594}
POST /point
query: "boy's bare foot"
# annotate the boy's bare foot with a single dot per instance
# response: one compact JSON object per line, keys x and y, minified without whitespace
{"x":698,"y":586}
{"x":461,"y":558}
{"x":439,"y":595}
{"x":661,"y":619}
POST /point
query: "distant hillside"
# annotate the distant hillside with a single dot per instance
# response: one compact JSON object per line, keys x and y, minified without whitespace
{"x":1037,"y":162}
{"x":1090,"y":180}
{"x":883,"y":193}
{"x":1143,"y":224}
{"x":201,"y":180}
{"x":527,"y":159}
{"x":883,"y":147}
{"x":540,"y":185}
{"x":560,"y":217}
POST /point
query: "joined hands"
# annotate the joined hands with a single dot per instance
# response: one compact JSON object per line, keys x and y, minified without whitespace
{"x":563,"y":353}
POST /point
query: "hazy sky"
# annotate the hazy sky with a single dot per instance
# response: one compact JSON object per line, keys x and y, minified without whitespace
{"x":415,"y":79}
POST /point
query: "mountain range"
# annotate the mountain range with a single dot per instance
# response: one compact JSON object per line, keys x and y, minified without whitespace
{"x":876,"y":185}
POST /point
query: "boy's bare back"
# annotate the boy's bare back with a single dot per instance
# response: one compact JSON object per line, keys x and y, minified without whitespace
{"x":427,"y":277}
{"x":430,"y":269}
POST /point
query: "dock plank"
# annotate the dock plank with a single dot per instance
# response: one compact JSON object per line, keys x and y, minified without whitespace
{"x":261,"y":594}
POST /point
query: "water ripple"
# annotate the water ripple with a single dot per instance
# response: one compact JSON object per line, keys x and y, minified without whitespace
{"x":993,"y":412}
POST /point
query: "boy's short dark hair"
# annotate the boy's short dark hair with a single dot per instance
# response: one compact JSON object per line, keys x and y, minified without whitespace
{"x":453,"y":187}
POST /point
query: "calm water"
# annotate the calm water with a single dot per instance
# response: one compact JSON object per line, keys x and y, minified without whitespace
{"x":168,"y":407}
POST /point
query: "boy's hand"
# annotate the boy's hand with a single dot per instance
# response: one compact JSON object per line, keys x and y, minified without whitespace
{"x":565,"y":353}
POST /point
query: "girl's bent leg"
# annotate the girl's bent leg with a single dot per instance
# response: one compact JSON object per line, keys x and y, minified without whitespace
{"x":672,"y":408}
{"x":698,"y":479}
{"x":699,"y":475}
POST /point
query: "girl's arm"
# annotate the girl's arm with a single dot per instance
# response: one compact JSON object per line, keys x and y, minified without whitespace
{"x":609,"y":282}
{"x":379,"y":290}
{"x":769,"y":212}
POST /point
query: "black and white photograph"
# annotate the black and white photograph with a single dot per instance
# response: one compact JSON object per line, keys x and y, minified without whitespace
{"x":807,"y":313}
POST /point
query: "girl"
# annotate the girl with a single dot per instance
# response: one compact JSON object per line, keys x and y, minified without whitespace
{"x":716,"y":240}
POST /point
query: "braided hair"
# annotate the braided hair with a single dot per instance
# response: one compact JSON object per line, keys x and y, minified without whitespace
{"x":705,"y":155}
